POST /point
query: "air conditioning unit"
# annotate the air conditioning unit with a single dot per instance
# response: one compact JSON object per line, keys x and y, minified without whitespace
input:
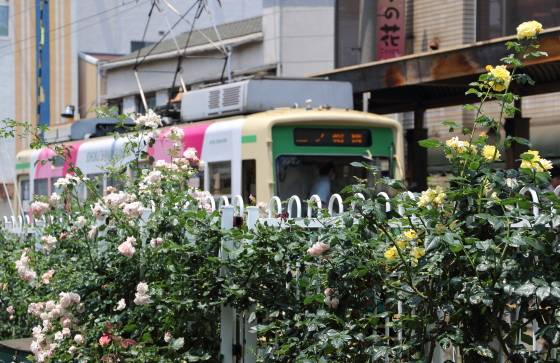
{"x":258,"y":95}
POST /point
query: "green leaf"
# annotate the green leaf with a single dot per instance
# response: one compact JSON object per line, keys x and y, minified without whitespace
{"x":523,"y":141}
{"x":303,"y":283}
{"x":177,"y":344}
{"x":309,"y":300}
{"x":455,"y":247}
{"x":470,"y":107}
{"x":337,"y":343}
{"x":279,"y":256}
{"x":527,"y":289}
{"x":252,"y":317}
{"x":555,"y":289}
{"x":527,"y":157}
{"x":527,"y":339}
{"x":543,"y":292}
{"x":552,"y":336}
{"x":474,"y":165}
{"x":430,"y":143}
{"x":432,"y":242}
{"x":484,"y":351}
{"x":357,"y":164}
{"x":556,"y":221}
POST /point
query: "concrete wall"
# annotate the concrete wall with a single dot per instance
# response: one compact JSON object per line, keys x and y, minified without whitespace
{"x":299,"y":35}
{"x":452,"y":22}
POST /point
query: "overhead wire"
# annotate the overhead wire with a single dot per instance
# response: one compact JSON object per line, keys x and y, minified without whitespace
{"x":146,"y":30}
{"x":163,"y":37}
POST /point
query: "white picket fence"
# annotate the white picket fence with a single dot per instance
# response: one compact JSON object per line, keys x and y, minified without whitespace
{"x":235,"y":326}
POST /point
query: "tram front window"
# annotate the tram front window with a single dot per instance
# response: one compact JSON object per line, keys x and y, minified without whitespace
{"x":304,"y":175}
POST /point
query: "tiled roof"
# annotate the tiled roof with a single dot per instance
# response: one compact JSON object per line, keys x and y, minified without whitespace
{"x":231,"y":30}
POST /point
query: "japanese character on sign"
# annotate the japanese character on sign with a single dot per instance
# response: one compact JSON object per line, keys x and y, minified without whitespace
{"x":390,"y":29}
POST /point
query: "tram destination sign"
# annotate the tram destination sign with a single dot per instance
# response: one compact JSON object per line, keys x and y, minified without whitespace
{"x":332,"y":137}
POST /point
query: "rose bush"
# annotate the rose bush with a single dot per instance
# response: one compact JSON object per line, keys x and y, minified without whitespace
{"x":444,"y":267}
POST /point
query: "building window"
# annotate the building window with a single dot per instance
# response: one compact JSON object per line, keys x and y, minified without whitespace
{"x":499,"y":18}
{"x":4,"y":21}
{"x":135,"y":45}
{"x":347,"y":33}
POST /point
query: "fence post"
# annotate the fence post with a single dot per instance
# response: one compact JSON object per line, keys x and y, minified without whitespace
{"x":253,"y":214}
{"x":227,"y":316}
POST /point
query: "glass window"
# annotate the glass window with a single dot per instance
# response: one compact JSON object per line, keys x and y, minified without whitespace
{"x":249,"y":179}
{"x":347,"y":33}
{"x":135,"y":45}
{"x":197,"y":180}
{"x":324,"y":175}
{"x":41,"y":186}
{"x":25,"y":195}
{"x":24,"y":188}
{"x":220,"y":178}
{"x":4,"y":21}
{"x":499,"y":18}
{"x":116,"y":182}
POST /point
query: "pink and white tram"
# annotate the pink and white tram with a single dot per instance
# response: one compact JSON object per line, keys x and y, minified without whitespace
{"x":278,"y":151}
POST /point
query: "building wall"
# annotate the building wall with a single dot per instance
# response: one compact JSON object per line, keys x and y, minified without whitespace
{"x":7,"y":154}
{"x":87,"y":88}
{"x":299,"y":36}
{"x":449,"y":21}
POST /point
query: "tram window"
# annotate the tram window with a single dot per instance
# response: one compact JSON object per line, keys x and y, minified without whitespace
{"x":41,"y":186}
{"x":297,"y":174}
{"x":249,"y":179}
{"x":25,"y":190}
{"x":53,"y":187}
{"x":220,"y":178}
{"x":115,"y":182}
{"x":197,"y":180}
{"x":58,"y":162}
{"x":25,"y":195}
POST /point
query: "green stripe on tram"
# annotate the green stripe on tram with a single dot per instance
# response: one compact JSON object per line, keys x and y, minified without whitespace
{"x":248,"y":138}
{"x":22,"y":166}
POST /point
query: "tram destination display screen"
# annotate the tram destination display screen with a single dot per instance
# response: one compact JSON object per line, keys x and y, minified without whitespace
{"x":332,"y":137}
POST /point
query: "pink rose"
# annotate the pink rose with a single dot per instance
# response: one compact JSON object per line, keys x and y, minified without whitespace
{"x":318,"y":248}
{"x":167,"y":337}
{"x":79,"y":339}
{"x":39,"y":208}
{"x":104,"y":340}
{"x":127,"y":249}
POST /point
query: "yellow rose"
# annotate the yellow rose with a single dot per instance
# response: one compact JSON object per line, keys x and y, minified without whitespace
{"x":488,"y":153}
{"x":528,"y":29}
{"x":502,"y":73}
{"x":536,"y":162}
{"x":410,"y":234}
{"x":417,"y":252}
{"x":431,"y":197}
{"x":402,"y":244}
{"x":391,"y":253}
